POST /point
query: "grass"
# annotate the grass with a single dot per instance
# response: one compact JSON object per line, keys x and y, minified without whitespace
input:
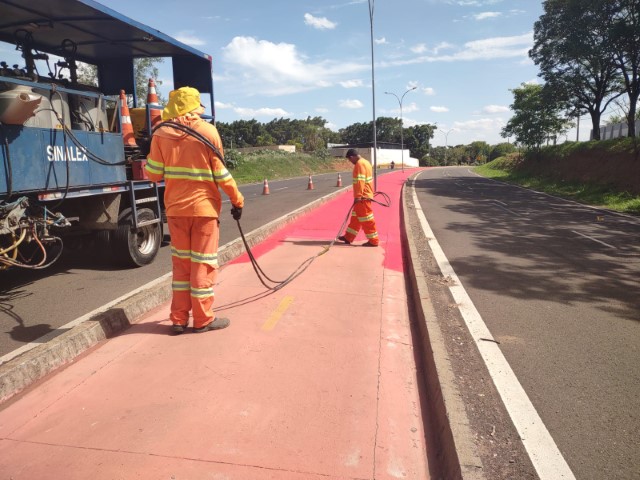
{"x":255,"y":167}
{"x":504,"y":170}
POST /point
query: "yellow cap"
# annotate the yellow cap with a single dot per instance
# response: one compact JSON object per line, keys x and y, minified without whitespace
{"x":181,"y":102}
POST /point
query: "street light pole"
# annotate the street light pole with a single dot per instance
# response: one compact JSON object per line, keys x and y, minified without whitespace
{"x":401,"y":124}
{"x":446,"y":143}
{"x":373,"y":94}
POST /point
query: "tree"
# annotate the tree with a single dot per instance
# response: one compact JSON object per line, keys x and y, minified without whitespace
{"x":573,"y":46}
{"x":626,"y":43}
{"x":143,"y":69}
{"x":535,"y":118}
{"x":501,"y":149}
{"x":417,"y":139}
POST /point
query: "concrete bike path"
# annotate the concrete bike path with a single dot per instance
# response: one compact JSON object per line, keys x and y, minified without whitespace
{"x":315,"y":381}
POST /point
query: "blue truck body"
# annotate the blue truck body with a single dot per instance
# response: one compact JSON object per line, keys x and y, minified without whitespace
{"x":66,"y":172}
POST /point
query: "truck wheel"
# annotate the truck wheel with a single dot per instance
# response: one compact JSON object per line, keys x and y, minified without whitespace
{"x":136,"y":248}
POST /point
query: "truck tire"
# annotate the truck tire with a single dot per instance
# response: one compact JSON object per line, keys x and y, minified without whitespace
{"x":136,"y":248}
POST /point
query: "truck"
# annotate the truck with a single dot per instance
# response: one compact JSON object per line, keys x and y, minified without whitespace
{"x":71,"y":165}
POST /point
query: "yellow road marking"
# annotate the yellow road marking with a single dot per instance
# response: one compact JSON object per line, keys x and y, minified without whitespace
{"x":277,"y":313}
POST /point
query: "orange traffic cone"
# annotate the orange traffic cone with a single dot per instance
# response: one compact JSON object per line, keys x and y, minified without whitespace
{"x":265,"y":187}
{"x":310,"y":185}
{"x":339,"y":184}
{"x":152,"y":95}
{"x":125,"y":122}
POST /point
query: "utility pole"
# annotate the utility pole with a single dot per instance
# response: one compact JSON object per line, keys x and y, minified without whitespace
{"x":401,"y":124}
{"x":373,"y":94}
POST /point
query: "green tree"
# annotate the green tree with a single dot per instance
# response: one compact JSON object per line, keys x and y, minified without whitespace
{"x":573,"y":46}
{"x":535,"y":118}
{"x":626,"y":44}
{"x":418,"y":139}
{"x":501,"y":149}
{"x":143,"y":69}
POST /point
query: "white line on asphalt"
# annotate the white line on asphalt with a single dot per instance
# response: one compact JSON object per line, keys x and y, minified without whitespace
{"x":542,"y":449}
{"x":79,"y":320}
{"x":594,"y":239}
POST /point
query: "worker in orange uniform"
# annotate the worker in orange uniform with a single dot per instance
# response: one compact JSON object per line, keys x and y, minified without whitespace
{"x":193,"y":174}
{"x":362,"y":214}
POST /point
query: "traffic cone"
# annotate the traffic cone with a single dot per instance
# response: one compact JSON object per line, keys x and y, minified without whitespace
{"x":265,"y":187}
{"x":310,"y":185}
{"x":152,"y":95}
{"x":339,"y":184}
{"x":128,"y":137}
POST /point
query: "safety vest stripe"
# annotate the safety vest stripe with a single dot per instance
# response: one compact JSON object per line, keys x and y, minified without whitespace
{"x":184,"y":254}
{"x":222,"y":175}
{"x":372,"y":235}
{"x":208,"y":258}
{"x":352,"y":231}
{"x":368,"y":218}
{"x":202,"y":292}
{"x":354,"y":214}
{"x":154,"y":167}
{"x":180,"y":286}
{"x":203,"y":177}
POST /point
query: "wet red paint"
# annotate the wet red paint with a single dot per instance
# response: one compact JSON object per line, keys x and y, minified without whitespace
{"x":323,"y":223}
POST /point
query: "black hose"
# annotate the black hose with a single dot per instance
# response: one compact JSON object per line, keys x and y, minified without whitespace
{"x":5,"y":144}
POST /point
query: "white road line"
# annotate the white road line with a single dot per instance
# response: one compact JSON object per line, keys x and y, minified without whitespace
{"x":542,"y":449}
{"x":79,"y":320}
{"x":594,"y":239}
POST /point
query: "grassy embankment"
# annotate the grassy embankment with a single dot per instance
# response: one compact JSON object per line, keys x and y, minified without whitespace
{"x":255,"y":167}
{"x":604,"y":174}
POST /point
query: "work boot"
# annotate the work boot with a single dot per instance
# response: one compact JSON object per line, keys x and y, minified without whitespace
{"x":216,"y":324}
{"x":369,"y":244}
{"x":342,"y":238}
{"x":178,"y":329}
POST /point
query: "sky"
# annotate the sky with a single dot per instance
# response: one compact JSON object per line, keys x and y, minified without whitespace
{"x":301,"y":58}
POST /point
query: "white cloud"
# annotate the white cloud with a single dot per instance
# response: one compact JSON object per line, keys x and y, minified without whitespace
{"x":245,"y":112}
{"x":439,"y":109}
{"x":321,"y":23}
{"x":381,"y":41}
{"x":419,"y":48}
{"x":481,"y":125}
{"x":261,"y":112}
{"x":485,"y":15}
{"x":495,"y":109}
{"x":189,"y":38}
{"x":485,"y":49}
{"x":322,"y":110}
{"x":352,"y":104}
{"x":412,"y":107}
{"x":277,"y":69}
{"x":352,"y":83}
{"x":428,"y":91}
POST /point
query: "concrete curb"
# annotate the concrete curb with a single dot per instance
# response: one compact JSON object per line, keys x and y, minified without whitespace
{"x":456,"y":452}
{"x":29,"y":367}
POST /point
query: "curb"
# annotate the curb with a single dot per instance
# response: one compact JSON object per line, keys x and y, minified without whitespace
{"x":456,"y":452}
{"x":25,"y":369}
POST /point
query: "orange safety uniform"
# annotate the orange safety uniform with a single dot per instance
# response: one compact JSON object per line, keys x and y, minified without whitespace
{"x":193,"y":174}
{"x":362,"y":214}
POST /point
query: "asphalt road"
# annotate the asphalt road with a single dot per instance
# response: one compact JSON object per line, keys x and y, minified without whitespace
{"x":33,"y":303}
{"x":557,"y":285}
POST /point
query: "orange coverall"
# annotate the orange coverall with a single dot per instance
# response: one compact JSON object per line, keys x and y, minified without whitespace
{"x":362,"y":214}
{"x":192,"y":174}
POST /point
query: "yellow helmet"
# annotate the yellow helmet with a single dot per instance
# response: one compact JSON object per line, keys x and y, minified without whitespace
{"x":181,"y":102}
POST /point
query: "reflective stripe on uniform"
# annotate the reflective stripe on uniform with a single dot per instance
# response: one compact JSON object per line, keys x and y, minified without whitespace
{"x":154,"y":167}
{"x":208,"y":258}
{"x":352,"y":231}
{"x":180,"y":286}
{"x":201,"y":292}
{"x":368,"y":218}
{"x":222,"y":175}
{"x":185,"y":173}
{"x":183,"y":254}
{"x":372,"y":235}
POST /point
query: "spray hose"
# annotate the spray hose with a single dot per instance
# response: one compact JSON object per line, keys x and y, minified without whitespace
{"x":270,"y":284}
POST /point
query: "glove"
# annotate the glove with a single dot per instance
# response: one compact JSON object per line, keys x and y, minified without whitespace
{"x":236,"y":212}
